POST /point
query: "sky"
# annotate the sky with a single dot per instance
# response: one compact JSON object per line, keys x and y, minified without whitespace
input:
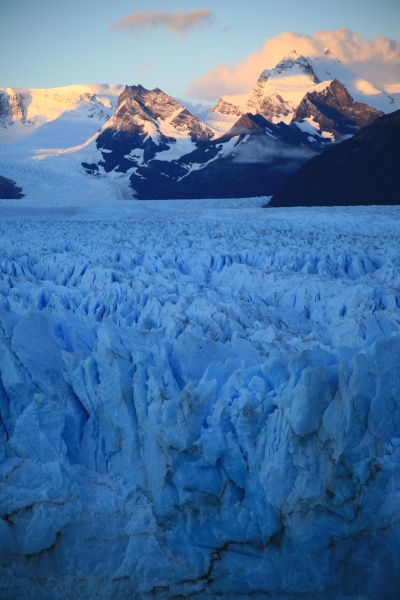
{"x":196,"y":50}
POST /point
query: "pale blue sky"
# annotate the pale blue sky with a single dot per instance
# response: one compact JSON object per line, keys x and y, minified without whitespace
{"x":50,"y":43}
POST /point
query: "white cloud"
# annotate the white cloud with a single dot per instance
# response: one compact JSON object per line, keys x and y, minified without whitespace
{"x":145,"y":66}
{"x":178,"y":21}
{"x":264,"y":150}
{"x":195,"y":108}
{"x":377,"y":60}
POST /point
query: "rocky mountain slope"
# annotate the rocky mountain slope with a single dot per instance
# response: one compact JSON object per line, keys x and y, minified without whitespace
{"x":361,"y":170}
{"x":146,"y":123}
{"x":335,"y":111}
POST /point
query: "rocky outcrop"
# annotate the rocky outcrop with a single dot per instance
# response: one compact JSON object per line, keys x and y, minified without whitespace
{"x":227,"y":108}
{"x":335,"y":111}
{"x":361,"y":170}
{"x":274,"y":107}
{"x":13,"y":107}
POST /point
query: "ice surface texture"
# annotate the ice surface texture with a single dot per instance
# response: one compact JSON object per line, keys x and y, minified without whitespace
{"x":200,"y":401}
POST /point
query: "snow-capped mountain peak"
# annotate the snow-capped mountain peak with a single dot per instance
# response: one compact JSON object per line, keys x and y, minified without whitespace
{"x":137,"y":105}
{"x":277,"y":94}
{"x":293,"y":64}
{"x":279,"y":91}
{"x":147,"y":124}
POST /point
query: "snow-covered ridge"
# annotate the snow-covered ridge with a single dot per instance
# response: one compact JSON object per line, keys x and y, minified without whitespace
{"x":212,"y":406}
{"x":22,"y":111}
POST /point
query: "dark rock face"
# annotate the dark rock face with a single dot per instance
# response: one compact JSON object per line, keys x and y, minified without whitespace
{"x":335,"y":110}
{"x":274,"y":107}
{"x":221,"y":178}
{"x":249,"y":123}
{"x":13,"y":108}
{"x":4,"y":110}
{"x":9,"y":189}
{"x":360,"y":171}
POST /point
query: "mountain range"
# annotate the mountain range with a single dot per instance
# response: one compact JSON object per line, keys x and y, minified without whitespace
{"x":147,"y":144}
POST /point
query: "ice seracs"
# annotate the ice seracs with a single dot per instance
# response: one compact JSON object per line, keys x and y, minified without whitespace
{"x":199,"y":399}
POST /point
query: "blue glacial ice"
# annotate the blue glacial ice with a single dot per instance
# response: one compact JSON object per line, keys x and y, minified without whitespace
{"x":200,"y":401}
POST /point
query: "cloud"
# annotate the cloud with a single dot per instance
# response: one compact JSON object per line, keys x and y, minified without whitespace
{"x":261,"y":149}
{"x":195,"y":108}
{"x":144,"y":66}
{"x":377,"y":60}
{"x":178,"y":21}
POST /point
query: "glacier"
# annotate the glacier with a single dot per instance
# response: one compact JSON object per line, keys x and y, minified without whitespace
{"x":199,"y":399}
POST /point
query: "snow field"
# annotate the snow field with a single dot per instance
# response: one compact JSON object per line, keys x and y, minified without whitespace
{"x":201,"y":399}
